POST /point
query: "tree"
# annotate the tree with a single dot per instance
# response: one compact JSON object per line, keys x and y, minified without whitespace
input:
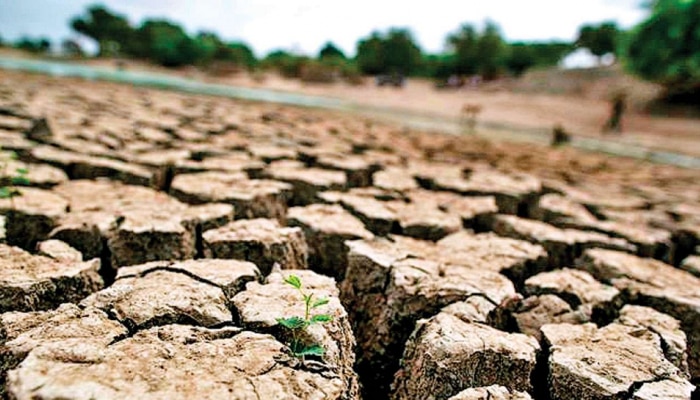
{"x":210,"y":47}
{"x":370,"y":55}
{"x":401,"y":53}
{"x":289,"y":65}
{"x":393,"y":52}
{"x":238,"y":53}
{"x":492,"y":52}
{"x":39,"y":45}
{"x":329,"y":51}
{"x":166,"y":43}
{"x":665,"y":48}
{"x":599,"y":39}
{"x":464,"y":45}
{"x":484,"y":53}
{"x":523,"y":56}
{"x":112,"y":32}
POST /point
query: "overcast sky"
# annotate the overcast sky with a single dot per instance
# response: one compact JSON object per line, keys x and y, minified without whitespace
{"x":305,"y":25}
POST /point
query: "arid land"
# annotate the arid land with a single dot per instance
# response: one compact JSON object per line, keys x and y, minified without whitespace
{"x":145,"y":253}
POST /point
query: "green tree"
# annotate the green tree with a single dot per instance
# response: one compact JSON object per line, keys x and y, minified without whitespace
{"x":238,"y":53}
{"x":484,"y":53}
{"x":370,"y":54}
{"x":39,"y":45}
{"x":523,"y":56}
{"x":665,"y":48}
{"x":210,"y":47}
{"x":166,"y":43}
{"x":492,"y":51}
{"x":112,"y":32}
{"x":287,"y":64}
{"x":465,"y":45}
{"x":330,"y":51}
{"x":600,"y":39}
{"x":393,"y":52}
{"x":401,"y":53}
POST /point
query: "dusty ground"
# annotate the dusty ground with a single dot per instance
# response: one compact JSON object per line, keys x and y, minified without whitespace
{"x":578,"y":100}
{"x":146,"y":256}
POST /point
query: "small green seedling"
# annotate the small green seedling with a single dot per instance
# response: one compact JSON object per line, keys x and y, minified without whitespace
{"x":296,"y":325}
{"x":19,"y":178}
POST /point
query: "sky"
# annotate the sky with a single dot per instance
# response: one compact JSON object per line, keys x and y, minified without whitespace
{"x":306,"y":25}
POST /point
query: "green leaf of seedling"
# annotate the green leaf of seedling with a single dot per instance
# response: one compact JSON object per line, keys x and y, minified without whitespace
{"x":22,"y":171}
{"x":320,"y":302}
{"x":321,"y":318}
{"x":292,"y":323}
{"x":313,"y":350}
{"x":5,"y":192}
{"x":20,"y":180}
{"x":294,"y":281}
{"x":12,"y":155}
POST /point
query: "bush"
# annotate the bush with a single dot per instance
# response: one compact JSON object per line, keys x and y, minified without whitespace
{"x":666,"y":48}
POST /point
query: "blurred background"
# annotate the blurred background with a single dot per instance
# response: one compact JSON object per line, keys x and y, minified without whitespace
{"x":627,"y":55}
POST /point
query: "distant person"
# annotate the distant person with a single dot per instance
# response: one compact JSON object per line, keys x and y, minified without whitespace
{"x":559,"y":136}
{"x":618,"y":105}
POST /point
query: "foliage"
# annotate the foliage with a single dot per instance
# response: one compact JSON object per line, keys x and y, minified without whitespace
{"x":18,"y":178}
{"x":464,"y":45}
{"x":159,"y":40}
{"x":287,"y":64}
{"x":392,"y":52}
{"x":599,"y":39}
{"x":523,"y":56}
{"x":166,"y":43}
{"x":111,"y":31}
{"x":330,"y":51}
{"x":296,"y":325}
{"x":39,"y":45}
{"x":665,"y":48}
{"x":483,"y":53}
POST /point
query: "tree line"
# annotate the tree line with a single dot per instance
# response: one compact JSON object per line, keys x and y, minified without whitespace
{"x":664,"y":48}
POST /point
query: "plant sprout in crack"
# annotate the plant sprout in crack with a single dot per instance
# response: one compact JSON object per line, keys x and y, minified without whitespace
{"x":297,"y":325}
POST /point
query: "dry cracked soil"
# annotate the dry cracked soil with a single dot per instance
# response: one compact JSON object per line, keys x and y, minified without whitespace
{"x":146,"y":254}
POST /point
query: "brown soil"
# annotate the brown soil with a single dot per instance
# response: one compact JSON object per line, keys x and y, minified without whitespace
{"x":152,"y":263}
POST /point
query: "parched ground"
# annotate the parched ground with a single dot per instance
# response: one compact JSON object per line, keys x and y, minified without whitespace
{"x":147,"y":255}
